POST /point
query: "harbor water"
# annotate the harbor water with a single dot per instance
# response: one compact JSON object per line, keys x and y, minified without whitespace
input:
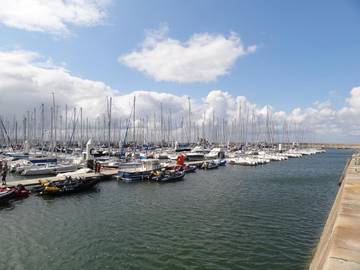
{"x":235,"y":217}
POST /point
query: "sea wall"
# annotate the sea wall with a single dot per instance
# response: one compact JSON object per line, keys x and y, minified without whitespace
{"x":339,"y":245}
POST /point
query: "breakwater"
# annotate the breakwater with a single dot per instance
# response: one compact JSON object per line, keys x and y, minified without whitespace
{"x":339,"y":245}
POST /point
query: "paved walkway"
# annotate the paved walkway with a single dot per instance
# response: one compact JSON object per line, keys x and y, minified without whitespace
{"x":339,"y":246}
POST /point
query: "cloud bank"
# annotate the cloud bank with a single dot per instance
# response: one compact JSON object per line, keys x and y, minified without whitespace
{"x":53,"y":16}
{"x":27,"y":79}
{"x":202,"y":58}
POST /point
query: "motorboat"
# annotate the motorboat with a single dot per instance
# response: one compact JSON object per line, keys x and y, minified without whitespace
{"x":220,"y":162}
{"x":190,"y":168}
{"x":7,"y":194}
{"x":69,"y":186}
{"x":209,"y":165}
{"x":50,"y":169}
{"x":171,"y":176}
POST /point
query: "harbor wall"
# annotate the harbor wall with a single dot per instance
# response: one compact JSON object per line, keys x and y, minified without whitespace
{"x":339,"y":245}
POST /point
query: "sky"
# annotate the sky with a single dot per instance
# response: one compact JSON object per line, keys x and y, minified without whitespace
{"x":300,"y":58}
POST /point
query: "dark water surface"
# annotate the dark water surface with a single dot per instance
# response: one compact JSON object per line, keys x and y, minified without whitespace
{"x":265,"y":217}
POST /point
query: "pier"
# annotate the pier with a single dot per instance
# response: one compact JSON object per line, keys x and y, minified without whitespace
{"x":339,"y":245}
{"x":103,"y":175}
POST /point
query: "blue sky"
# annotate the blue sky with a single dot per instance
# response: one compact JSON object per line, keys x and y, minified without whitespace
{"x":307,"y":51}
{"x":300,"y":57}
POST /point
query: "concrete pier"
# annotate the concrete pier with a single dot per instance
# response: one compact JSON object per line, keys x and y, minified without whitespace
{"x":339,"y":245}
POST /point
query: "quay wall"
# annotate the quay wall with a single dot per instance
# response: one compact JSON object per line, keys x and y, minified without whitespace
{"x":339,"y":245}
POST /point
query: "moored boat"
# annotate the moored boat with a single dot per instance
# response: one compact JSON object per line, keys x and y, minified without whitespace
{"x":171,"y":176}
{"x":209,"y":165}
{"x":7,"y":194}
{"x":68,"y":186}
{"x":190,"y":168}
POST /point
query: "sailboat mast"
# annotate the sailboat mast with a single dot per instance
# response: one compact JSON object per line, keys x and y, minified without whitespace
{"x":109,"y":108}
{"x":134,"y":118}
{"x":189,"y":104}
{"x":81,"y":128}
{"x":66,"y":126}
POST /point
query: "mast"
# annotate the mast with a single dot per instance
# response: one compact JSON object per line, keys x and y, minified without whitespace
{"x":42,"y":123}
{"x":134,"y":118}
{"x":203,"y":127}
{"x":87,"y":128}
{"x":66,"y":128}
{"x":161,"y":123}
{"x":189,"y":104}
{"x":81,"y":128}
{"x":35,"y":137}
{"x":213,"y":126}
{"x":54,"y":120}
{"x":16,"y":132}
{"x":51,"y":129}
{"x":109,"y":108}
{"x":24,"y":127}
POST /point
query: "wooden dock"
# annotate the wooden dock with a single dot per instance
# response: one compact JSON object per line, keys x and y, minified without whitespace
{"x":339,"y":245}
{"x":103,"y":175}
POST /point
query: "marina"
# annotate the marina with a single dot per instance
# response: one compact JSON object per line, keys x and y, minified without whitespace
{"x":196,"y":219}
{"x":46,"y":168}
{"x":179,"y":135}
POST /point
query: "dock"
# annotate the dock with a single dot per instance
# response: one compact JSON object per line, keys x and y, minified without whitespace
{"x":103,"y":175}
{"x":339,"y":245}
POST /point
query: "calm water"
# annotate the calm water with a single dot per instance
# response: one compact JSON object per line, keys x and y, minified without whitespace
{"x":266,"y":217}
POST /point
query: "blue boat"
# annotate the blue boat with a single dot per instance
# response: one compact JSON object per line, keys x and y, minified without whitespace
{"x":134,"y":176}
{"x":138,"y":173}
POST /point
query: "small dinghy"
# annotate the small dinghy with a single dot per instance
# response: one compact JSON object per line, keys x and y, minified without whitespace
{"x":20,"y":191}
{"x":220,"y":162}
{"x":190,"y":168}
{"x":7,"y":194}
{"x":171,"y":176}
{"x":210,"y":165}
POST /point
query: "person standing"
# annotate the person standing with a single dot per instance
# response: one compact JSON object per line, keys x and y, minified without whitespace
{"x":4,"y":173}
{"x":1,"y":168}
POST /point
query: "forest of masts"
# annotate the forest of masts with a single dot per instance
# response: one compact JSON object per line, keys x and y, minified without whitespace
{"x":67,"y":127}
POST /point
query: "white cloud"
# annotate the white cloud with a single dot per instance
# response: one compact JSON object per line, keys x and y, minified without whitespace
{"x":27,"y":80}
{"x":202,"y":58}
{"x":53,"y":16}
